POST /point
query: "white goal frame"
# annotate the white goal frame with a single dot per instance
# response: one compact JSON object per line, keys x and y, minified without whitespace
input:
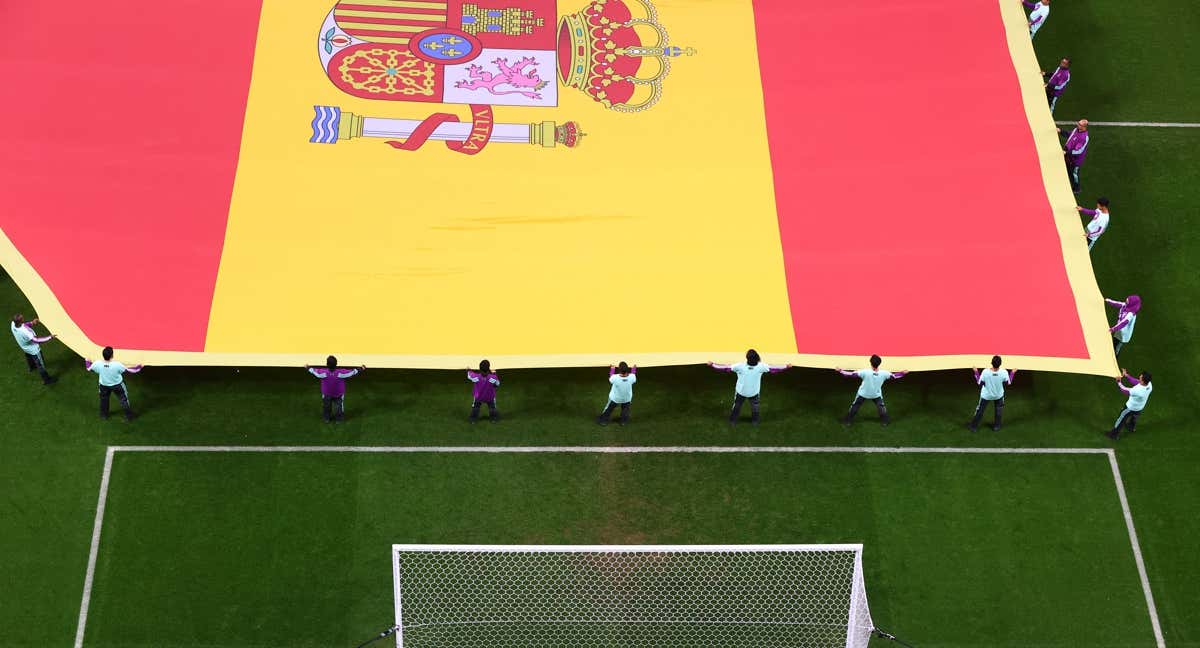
{"x":857,"y":594}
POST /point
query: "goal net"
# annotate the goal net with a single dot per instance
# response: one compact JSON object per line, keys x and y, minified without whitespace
{"x":619,"y":596}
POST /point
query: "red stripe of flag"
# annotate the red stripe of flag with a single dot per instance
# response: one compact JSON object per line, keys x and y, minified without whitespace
{"x":128,"y":191}
{"x":912,"y":224}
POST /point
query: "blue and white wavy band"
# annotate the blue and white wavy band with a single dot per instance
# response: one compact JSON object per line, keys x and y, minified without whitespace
{"x":325,"y":124}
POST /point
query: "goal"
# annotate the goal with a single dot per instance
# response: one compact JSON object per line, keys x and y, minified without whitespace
{"x":630,"y":596}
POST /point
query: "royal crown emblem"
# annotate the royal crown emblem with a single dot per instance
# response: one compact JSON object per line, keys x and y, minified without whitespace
{"x":604,"y":51}
{"x":487,"y":53}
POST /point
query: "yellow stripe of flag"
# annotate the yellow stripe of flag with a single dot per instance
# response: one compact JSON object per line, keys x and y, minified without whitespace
{"x":409,"y":4}
{"x":463,"y":231}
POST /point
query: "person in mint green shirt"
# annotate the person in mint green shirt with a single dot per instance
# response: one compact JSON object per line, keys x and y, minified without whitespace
{"x":749,"y":383}
{"x":871,"y":389}
{"x":622,"y":378}
{"x":991,"y":390}
{"x":112,"y":381}
{"x":1138,"y":392}
{"x":31,"y":344}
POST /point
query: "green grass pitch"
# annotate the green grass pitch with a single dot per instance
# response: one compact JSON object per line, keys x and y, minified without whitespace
{"x":232,"y":549}
{"x":973,"y":550}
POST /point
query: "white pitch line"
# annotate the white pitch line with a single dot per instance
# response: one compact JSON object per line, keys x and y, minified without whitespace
{"x":611,"y":449}
{"x":1136,"y":124}
{"x":95,"y":550}
{"x":1137,"y":552}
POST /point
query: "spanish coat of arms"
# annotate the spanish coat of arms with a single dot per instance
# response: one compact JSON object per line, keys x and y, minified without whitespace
{"x":486,"y":53}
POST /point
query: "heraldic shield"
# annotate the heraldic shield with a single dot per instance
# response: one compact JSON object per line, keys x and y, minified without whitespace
{"x":487,"y":53}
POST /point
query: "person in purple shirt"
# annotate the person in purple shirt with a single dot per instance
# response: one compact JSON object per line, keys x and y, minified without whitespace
{"x":486,"y":381}
{"x":1037,"y":17}
{"x":1056,"y":82}
{"x":333,"y":388}
{"x":1099,"y":222}
{"x":1075,"y":151}
{"x":1122,"y":331}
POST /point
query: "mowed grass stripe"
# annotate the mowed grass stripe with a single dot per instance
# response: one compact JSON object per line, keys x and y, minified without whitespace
{"x":227,"y":549}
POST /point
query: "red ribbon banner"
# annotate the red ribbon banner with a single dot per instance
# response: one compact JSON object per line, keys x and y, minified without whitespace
{"x":481,"y":131}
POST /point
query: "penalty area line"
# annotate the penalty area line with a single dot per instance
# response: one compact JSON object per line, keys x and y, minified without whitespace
{"x":106,"y":476}
{"x":1137,"y":552}
{"x":613,"y":449}
{"x":89,"y":579}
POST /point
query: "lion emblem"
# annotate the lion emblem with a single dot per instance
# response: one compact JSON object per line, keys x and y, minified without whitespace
{"x":521,"y":78}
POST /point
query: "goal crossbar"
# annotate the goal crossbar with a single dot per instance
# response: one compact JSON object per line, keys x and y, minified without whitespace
{"x":461,"y":548}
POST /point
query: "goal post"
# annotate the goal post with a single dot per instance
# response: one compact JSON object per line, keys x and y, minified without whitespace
{"x":644,"y":596}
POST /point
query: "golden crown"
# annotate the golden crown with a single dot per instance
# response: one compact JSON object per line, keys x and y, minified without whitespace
{"x":616,"y":51}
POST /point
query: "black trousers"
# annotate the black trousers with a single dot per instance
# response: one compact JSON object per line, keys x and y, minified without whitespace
{"x":122,"y":397}
{"x":608,"y":410}
{"x":1073,"y":173}
{"x":493,"y":411}
{"x":333,"y":408}
{"x":35,"y":362}
{"x":1051,"y":99}
{"x":738,"y":400}
{"x":1127,"y":420}
{"x":998,"y":406}
{"x":879,"y":405}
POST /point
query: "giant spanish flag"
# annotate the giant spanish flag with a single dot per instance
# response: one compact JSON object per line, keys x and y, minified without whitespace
{"x":422,"y":183}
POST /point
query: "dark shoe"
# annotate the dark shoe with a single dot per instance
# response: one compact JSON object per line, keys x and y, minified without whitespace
{"x":128,"y":416}
{"x":995,"y":428}
{"x":601,"y":422}
{"x":327,"y":420}
{"x":1113,"y":434}
{"x":886,"y":422}
{"x":50,"y":381}
{"x":104,"y":417}
{"x":972,"y":428}
{"x":493,"y":419}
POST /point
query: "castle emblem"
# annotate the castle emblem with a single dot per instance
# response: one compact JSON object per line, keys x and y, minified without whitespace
{"x":487,"y":53}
